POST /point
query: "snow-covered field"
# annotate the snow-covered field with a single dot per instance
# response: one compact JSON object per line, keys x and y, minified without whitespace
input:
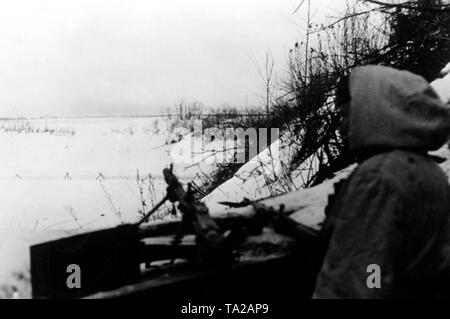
{"x":72,"y":173}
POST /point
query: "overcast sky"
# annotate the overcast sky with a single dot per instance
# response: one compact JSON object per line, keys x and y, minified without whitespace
{"x":111,"y":57}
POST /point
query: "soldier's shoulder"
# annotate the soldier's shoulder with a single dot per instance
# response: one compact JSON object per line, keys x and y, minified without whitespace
{"x":403,"y":167}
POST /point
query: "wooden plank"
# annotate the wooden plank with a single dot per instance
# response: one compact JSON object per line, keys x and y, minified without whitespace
{"x":260,"y":279}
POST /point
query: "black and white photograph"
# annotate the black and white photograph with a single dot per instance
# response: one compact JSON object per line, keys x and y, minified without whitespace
{"x":225,"y":158}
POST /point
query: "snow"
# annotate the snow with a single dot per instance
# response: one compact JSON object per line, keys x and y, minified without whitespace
{"x":268,"y":174}
{"x":442,"y":87}
{"x":48,"y":180}
{"x":83,"y":174}
{"x":196,"y":157}
{"x":446,"y":69}
{"x":249,"y":181}
{"x":307,"y":204}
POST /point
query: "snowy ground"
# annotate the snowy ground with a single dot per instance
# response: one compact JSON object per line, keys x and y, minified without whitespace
{"x":81,"y":175}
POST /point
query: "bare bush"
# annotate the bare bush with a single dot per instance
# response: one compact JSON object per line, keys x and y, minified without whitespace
{"x":148,"y":197}
{"x":33,"y":127}
{"x":412,"y":37}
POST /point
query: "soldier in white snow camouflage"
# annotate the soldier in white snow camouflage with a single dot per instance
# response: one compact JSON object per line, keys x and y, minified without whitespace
{"x":393,"y":210}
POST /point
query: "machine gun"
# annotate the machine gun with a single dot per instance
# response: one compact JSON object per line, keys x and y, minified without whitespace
{"x":145,"y":258}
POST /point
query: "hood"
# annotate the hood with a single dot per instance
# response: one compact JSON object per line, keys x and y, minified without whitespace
{"x":392,"y":109}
